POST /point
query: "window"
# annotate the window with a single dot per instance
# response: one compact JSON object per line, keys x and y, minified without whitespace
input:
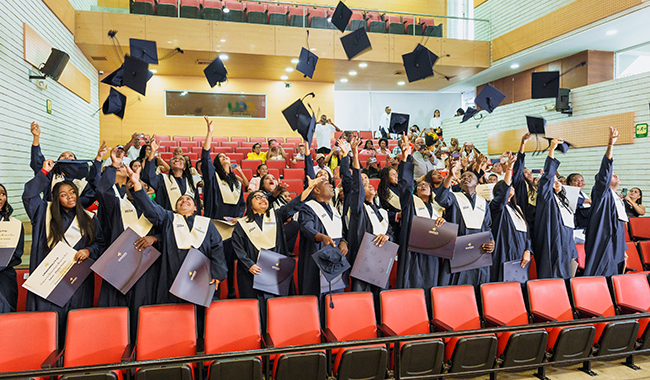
{"x":215,"y":104}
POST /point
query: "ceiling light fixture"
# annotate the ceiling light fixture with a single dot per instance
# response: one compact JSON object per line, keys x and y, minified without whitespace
{"x":611,"y":32}
{"x":222,"y":40}
{"x":401,"y":83}
{"x":363,"y":65}
{"x":153,"y":71}
{"x":284,"y":77}
{"x":289,"y":69}
{"x":295,"y":60}
{"x":352,"y":73}
{"x":344,"y":80}
{"x":514,"y":66}
{"x":223,"y":57}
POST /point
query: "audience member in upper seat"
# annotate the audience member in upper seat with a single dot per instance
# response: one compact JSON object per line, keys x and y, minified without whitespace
{"x":492,"y":178}
{"x":180,"y":231}
{"x":478,"y":167}
{"x":275,"y":152}
{"x":383,"y":147}
{"x":130,"y":150}
{"x":584,"y":203}
{"x":178,"y":151}
{"x":384,"y":124}
{"x":522,"y":183}
{"x":368,"y":148}
{"x":170,"y":187}
{"x":324,"y":130}
{"x":388,"y":192}
{"x":300,"y":156}
{"x":435,"y":179}
{"x":436,"y":121}
{"x":61,"y":221}
{"x":371,"y":169}
{"x":553,"y":242}
{"x":254,"y":183}
{"x":605,"y":236}
{"x":333,"y":160}
{"x":633,"y":203}
{"x":511,"y":236}
{"x":257,"y":153}
{"x":161,"y":165}
{"x":15,"y":235}
{"x":321,"y":164}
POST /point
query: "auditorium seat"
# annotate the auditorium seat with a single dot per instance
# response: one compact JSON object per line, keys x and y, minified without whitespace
{"x":276,"y":164}
{"x":591,"y":299}
{"x":410,"y":23}
{"x":97,"y":336}
{"x":628,"y":237}
{"x":220,"y":138}
{"x":580,"y":248}
{"x":454,"y":308}
{"x":279,"y":333}
{"x":294,"y":185}
{"x":197,"y":150}
{"x":189,"y":144}
{"x":632,"y":295}
{"x":169,"y":144}
{"x":395,"y":25}
{"x":235,"y":11}
{"x":366,"y":362}
{"x":143,"y":7}
{"x":298,"y":165}
{"x":404,"y":312}
{"x":298,"y":16}
{"x":190,"y":9}
{"x":365,"y":135}
{"x":634,"y":262}
{"x":255,"y":12}
{"x":260,"y":140}
{"x":232,"y":144}
{"x":644,"y":249}
{"x":167,"y":8}
{"x":548,"y":301}
{"x":182,"y":138}
{"x":278,"y":139}
{"x":248,"y":173}
{"x":640,"y":228}
{"x":318,"y":18}
{"x":239,"y":139}
{"x":374,"y":182}
{"x":160,"y":138}
{"x":430,"y":28}
{"x":35,"y":333}
{"x":251,"y":164}
{"x":233,"y":325}
{"x":376,"y":23}
{"x":192,"y":156}
{"x":21,"y":276}
{"x":221,"y":149}
{"x":212,"y":10}
{"x":294,"y":174}
{"x":277,"y":14}
{"x":166,"y":156}
{"x":294,"y":140}
{"x":156,"y":340}
{"x":275,"y":172}
{"x":357,"y":21}
{"x":237,"y":156}
{"x":243,"y":150}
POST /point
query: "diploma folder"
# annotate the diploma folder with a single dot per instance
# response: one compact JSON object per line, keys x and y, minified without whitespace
{"x":468,"y":254}
{"x":192,"y":283}
{"x":277,"y":272}
{"x":432,"y":240}
{"x":373,"y":264}
{"x":122,"y":265}
{"x":513,"y":272}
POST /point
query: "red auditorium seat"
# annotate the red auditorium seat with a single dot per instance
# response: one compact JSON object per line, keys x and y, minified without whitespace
{"x":235,"y":11}
{"x":395,"y":25}
{"x":231,"y":144}
{"x":261,"y":140}
{"x":162,"y":138}
{"x":197,"y":150}
{"x":169,"y":144}
{"x":201,"y":139}
{"x":580,"y":248}
{"x":233,"y":325}
{"x":365,"y":135}
{"x":644,"y":248}
{"x":97,"y":336}
{"x":375,"y":22}
{"x":294,"y":140}
{"x":628,"y":237}
{"x":212,"y":10}
{"x":318,"y":18}
{"x":634,"y":262}
{"x":298,"y":174}
{"x":237,"y":156}
{"x":190,"y":9}
{"x":298,"y":165}
{"x":275,"y":173}
{"x":430,"y":28}
{"x":356,"y":21}
{"x":255,"y":12}
{"x":640,"y":228}
{"x":182,"y":138}
{"x":243,"y":150}
{"x":221,"y":138}
{"x":276,"y":164}
{"x":295,"y":185}
{"x":21,"y":276}
{"x":298,"y":16}
{"x":239,"y":139}
{"x":632,"y":295}
{"x":279,"y":139}
{"x":413,"y":27}
{"x":248,"y":173}
{"x":143,"y":7}
{"x":279,"y":333}
{"x":166,"y":156}
{"x":156,"y":340}
{"x":221,"y":149}
{"x":167,"y":8}
{"x":192,"y":156}
{"x":369,"y":362}
{"x":189,"y":144}
{"x":277,"y":14}
{"x":251,"y":164}
{"x":374,"y":182}
{"x":35,"y":333}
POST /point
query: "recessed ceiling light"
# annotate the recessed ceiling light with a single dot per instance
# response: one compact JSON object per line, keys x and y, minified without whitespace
{"x":352,"y":73}
{"x":313,"y":49}
{"x":284,"y":77}
{"x":295,"y":60}
{"x":222,"y":40}
{"x":514,"y":66}
{"x":289,"y":69}
{"x":223,"y":56}
{"x":363,"y":65}
{"x":169,"y":42}
{"x":612,"y":32}
{"x":153,"y":71}
{"x":401,"y":83}
{"x":184,"y":93}
{"x":226,"y":10}
{"x":344,"y":80}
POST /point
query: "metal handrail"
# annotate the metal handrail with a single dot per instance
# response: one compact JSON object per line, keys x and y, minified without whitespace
{"x":365,"y":342}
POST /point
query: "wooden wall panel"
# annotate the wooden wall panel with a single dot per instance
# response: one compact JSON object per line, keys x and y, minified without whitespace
{"x":570,"y":17}
{"x":244,"y":38}
{"x":190,"y":34}
{"x":89,"y":28}
{"x":289,"y":41}
{"x":582,"y":133}
{"x":64,"y":11}
{"x":36,"y":50}
{"x":113,"y":3}
{"x":127,"y":26}
{"x":478,"y":2}
{"x":577,"y":77}
{"x":521,"y":83}
{"x":601,"y":66}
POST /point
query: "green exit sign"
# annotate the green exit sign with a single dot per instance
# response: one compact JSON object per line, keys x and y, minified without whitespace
{"x":48,"y":106}
{"x":641,"y":130}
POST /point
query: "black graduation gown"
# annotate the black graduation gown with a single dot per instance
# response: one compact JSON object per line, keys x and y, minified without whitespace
{"x":247,"y":253}
{"x":553,"y":242}
{"x":392,"y":212}
{"x":474,"y":277}
{"x":143,"y":291}
{"x":215,"y":207}
{"x":605,"y":236}
{"x":521,"y":191}
{"x":510,"y":243}
{"x":172,"y":257}
{"x":87,"y":197}
{"x":582,"y":213}
{"x":36,"y":209}
{"x":8,"y":284}
{"x":157,"y":182}
{"x":414,"y":270}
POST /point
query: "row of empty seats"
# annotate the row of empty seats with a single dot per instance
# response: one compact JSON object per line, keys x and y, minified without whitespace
{"x":287,"y":15}
{"x":101,"y":336}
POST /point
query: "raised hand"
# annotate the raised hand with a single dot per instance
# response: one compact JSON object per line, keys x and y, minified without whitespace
{"x":116,"y":157}
{"x":154,"y":148}
{"x":209,"y":123}
{"x":48,"y":165}
{"x":613,"y":135}
{"x":313,"y":182}
{"x":35,"y":129}
{"x":355,"y":145}
{"x":101,"y":151}
{"x":134,"y":177}
{"x":525,"y":138}
{"x":341,"y":143}
{"x":511,"y":161}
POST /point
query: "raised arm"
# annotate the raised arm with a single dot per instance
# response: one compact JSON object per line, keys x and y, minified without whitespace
{"x":37,"y":159}
{"x":604,"y":175}
{"x":32,"y":200}
{"x":149,"y":173}
{"x":546,"y":181}
{"x":152,"y":211}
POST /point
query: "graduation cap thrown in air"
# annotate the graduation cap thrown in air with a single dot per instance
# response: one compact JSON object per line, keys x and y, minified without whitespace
{"x":419,"y":63}
{"x":216,"y":72}
{"x":471,"y":111}
{"x":545,"y":84}
{"x":307,"y":62}
{"x":331,"y":263}
{"x":399,"y":122}
{"x":136,"y":74}
{"x":355,"y":43}
{"x":144,"y":50}
{"x":536,"y":125}
{"x":115,"y":104}
{"x":115,"y":78}
{"x":564,"y":147}
{"x":429,"y":140}
{"x":300,"y":119}
{"x":341,"y":16}
{"x":489,"y":98}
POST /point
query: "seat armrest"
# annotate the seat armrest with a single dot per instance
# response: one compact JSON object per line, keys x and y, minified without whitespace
{"x":386,"y":331}
{"x":268,"y":342}
{"x":329,"y":335}
{"x":441,"y":325}
{"x":126,"y":355}
{"x":586,"y":313}
{"x":493,"y":322}
{"x":630,"y":309}
{"x":541,"y":317}
{"x":52,"y":360}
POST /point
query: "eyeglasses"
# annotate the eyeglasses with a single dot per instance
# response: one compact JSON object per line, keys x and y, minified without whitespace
{"x":260,"y":197}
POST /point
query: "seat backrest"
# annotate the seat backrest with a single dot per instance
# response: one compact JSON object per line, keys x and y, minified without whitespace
{"x":182,"y":138}
{"x":34,"y":333}
{"x":644,"y":247}
{"x":456,"y":306}
{"x":632,"y":289}
{"x":232,"y":325}
{"x":295,"y":308}
{"x":156,"y":337}
{"x":394,"y":19}
{"x":426,"y":21}
{"x":298,"y":10}
{"x":549,"y":296}
{"x":633,"y":258}
{"x":359,"y":305}
{"x":234,"y":5}
{"x":357,"y":15}
{"x":505,"y":302}
{"x":640,"y":227}
{"x":592,"y":293}
{"x":212,"y":4}
{"x":96,"y":336}
{"x":627,"y":233}
{"x":405,"y":311}
{"x":257,"y":139}
{"x":295,"y":185}
{"x":580,"y":248}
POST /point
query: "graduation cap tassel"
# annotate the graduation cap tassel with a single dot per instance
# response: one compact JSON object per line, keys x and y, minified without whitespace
{"x":173,"y":53}
{"x":113,"y":35}
{"x":331,"y":301}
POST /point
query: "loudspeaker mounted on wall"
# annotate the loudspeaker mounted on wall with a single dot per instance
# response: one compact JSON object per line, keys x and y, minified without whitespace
{"x":54,"y":66}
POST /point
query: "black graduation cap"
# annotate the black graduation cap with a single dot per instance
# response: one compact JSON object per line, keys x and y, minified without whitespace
{"x":341,"y":16}
{"x":216,"y":72}
{"x":74,"y":169}
{"x":115,"y":104}
{"x":355,"y":43}
{"x":144,"y":50}
{"x":399,"y":122}
{"x":545,"y":84}
{"x":489,"y":98}
{"x":307,"y":62}
{"x":115,"y":78}
{"x":471,"y":111}
{"x":564,"y":147}
{"x":297,"y":111}
{"x":419,"y":63}
{"x":136,"y":74}
{"x":307,"y":127}
{"x":331,"y":262}
{"x":536,"y":125}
